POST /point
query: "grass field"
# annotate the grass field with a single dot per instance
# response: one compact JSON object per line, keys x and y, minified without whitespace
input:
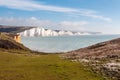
{"x":41,"y":67}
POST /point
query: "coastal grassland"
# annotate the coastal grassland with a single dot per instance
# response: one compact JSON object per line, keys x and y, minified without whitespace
{"x":29,"y":66}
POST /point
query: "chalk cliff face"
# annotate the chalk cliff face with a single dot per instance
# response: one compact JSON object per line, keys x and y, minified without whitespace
{"x":47,"y":32}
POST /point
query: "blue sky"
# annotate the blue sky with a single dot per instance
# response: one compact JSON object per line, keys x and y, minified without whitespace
{"x":76,"y":15}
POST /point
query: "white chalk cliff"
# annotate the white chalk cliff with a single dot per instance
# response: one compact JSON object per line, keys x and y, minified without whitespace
{"x":47,"y":32}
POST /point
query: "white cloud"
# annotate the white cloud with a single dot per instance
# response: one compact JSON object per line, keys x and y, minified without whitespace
{"x":31,"y":5}
{"x":32,"y":21}
{"x":73,"y":25}
{"x":98,"y":16}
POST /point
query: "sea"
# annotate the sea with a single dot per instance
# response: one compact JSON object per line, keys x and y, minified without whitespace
{"x":58,"y":44}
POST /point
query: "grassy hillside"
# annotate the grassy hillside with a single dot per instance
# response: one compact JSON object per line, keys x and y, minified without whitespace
{"x":26,"y":66}
{"x":104,"y":58}
{"x":7,"y":42}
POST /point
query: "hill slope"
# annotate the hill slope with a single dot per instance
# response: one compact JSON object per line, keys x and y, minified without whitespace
{"x":7,"y":42}
{"x":104,"y":58}
{"x":99,"y":50}
{"x":13,"y":29}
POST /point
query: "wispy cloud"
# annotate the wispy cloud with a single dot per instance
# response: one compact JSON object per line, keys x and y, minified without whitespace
{"x":73,"y":24}
{"x":98,"y":17}
{"x":32,"y":21}
{"x":31,"y":5}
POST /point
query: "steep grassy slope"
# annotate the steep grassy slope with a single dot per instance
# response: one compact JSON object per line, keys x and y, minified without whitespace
{"x":7,"y":42}
{"x":42,"y":67}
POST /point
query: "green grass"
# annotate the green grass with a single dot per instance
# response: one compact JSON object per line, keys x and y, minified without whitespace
{"x":42,"y":67}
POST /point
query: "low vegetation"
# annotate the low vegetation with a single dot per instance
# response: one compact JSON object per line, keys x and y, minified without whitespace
{"x":103,"y":58}
{"x":27,"y":66}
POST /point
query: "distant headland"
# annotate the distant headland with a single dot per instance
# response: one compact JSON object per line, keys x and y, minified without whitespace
{"x":32,"y":31}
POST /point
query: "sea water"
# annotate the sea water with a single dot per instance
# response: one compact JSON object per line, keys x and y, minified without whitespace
{"x":64,"y":43}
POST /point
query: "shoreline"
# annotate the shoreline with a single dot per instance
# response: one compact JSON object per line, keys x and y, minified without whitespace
{"x":63,"y":44}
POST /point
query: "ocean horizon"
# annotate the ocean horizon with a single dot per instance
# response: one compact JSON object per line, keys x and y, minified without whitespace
{"x":58,"y":44}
